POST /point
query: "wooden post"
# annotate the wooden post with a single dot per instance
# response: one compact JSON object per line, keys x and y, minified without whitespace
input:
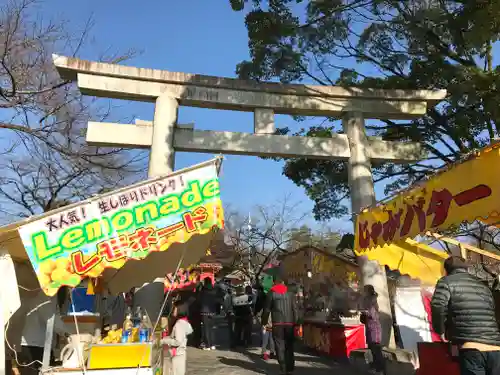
{"x":363,"y":195}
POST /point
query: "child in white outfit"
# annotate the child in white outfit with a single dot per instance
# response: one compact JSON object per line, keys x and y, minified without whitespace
{"x":177,"y":342}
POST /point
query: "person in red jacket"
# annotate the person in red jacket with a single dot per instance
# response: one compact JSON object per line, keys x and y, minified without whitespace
{"x":282,"y":306}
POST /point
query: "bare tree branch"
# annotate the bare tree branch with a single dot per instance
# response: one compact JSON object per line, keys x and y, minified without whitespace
{"x":45,"y":157}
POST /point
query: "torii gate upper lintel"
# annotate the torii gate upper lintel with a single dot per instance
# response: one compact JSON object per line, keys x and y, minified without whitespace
{"x":171,"y":89}
{"x":264,"y":99}
{"x":69,"y":67}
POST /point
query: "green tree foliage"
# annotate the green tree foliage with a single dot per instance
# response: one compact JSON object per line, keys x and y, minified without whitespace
{"x":419,"y":44}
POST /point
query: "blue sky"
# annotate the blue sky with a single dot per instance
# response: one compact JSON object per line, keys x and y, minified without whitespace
{"x":195,"y":36}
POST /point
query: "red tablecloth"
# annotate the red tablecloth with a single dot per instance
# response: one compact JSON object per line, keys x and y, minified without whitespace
{"x":333,"y":339}
{"x":435,"y":359}
{"x":426,"y":299}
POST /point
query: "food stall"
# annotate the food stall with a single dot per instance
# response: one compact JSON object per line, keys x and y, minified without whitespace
{"x":118,"y":240}
{"x":331,"y":323}
{"x":445,"y":200}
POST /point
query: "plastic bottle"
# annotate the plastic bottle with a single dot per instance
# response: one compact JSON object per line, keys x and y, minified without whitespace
{"x":145,"y":328}
{"x":127,"y":329}
{"x":97,"y":336}
{"x":136,"y":318}
{"x":127,"y":323}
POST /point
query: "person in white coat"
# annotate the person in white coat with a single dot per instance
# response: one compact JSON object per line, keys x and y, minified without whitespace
{"x":177,"y":341}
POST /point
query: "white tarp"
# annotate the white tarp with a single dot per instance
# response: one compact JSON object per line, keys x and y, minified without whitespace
{"x":411,"y":317}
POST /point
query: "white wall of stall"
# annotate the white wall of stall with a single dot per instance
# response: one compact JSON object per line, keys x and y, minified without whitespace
{"x":411,"y":317}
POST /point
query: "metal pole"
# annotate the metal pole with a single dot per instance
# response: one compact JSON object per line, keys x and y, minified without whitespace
{"x":49,"y":336}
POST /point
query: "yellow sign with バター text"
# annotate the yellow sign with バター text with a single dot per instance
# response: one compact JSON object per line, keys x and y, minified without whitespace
{"x":465,"y":192}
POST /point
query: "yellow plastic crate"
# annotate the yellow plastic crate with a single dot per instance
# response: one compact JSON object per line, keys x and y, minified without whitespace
{"x":106,"y":356}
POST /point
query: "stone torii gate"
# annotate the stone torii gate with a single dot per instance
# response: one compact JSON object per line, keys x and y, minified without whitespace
{"x":163,"y":135}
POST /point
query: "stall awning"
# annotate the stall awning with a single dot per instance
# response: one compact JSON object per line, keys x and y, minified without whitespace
{"x":419,"y":261}
{"x":464,"y":191}
{"x":127,"y":237}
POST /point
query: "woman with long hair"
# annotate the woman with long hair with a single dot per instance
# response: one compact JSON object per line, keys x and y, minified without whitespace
{"x":371,"y":318}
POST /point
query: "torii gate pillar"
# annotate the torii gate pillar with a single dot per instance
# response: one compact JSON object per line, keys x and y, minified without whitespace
{"x":362,"y":191}
{"x":161,"y":163}
{"x":162,"y":155}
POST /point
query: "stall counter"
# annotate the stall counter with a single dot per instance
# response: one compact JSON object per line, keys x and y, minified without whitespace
{"x":111,"y":371}
{"x":121,"y":359}
{"x":333,"y":339}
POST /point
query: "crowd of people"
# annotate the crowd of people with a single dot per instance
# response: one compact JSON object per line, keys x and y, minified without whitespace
{"x":463,"y":313}
{"x":276,"y":312}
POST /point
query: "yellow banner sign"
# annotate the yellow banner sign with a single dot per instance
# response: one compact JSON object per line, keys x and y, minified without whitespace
{"x":465,"y":192}
{"x":128,"y":224}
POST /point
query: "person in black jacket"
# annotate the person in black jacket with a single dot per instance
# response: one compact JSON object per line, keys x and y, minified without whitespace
{"x":194,"y":317}
{"x":243,"y":313}
{"x":282,"y":306}
{"x":247,"y":317}
{"x":463,"y":310}
{"x":208,"y":308}
{"x":260,"y":299}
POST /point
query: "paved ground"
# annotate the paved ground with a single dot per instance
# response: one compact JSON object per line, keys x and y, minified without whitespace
{"x":225,"y":362}
{"x":248,"y":362}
